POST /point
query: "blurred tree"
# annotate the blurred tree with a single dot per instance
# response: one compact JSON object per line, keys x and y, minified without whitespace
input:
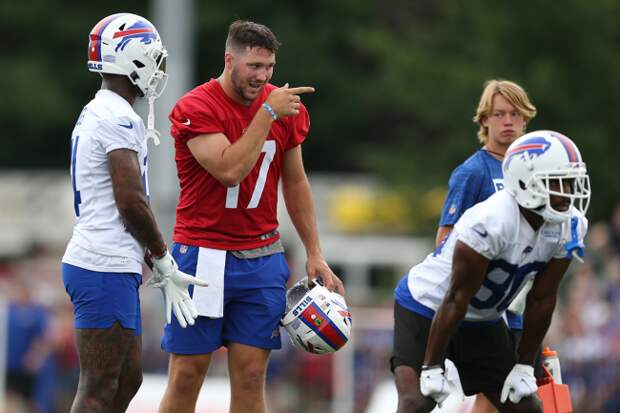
{"x":45,"y":82}
{"x":397,"y":81}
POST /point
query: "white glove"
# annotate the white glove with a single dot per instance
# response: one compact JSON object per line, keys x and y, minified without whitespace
{"x":433,"y":384}
{"x":173,"y":284}
{"x":520,"y":383}
{"x":163,"y":268}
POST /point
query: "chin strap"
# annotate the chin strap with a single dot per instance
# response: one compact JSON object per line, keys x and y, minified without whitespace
{"x":151,"y":132}
{"x":570,"y":232}
{"x":574,"y":248}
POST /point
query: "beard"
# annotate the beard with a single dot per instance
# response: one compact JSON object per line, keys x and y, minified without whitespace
{"x":241,"y":87}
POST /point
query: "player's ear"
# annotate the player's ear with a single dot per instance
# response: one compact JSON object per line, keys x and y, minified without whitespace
{"x":228,"y":60}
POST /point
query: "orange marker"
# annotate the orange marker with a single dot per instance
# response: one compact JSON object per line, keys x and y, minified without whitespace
{"x":554,"y":395}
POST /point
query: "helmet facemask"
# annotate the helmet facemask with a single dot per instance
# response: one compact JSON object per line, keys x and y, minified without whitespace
{"x":151,"y":78}
{"x":152,"y":86}
{"x":295,"y":294}
{"x":542,"y":186}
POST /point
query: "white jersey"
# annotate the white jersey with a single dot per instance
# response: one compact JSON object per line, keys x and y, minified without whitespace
{"x":100,"y":241}
{"x":497,"y":230}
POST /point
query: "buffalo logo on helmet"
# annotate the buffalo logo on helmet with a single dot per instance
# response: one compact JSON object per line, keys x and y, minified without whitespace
{"x":344,"y":311}
{"x":534,"y":147}
{"x":345,"y":314}
{"x":139,"y":30}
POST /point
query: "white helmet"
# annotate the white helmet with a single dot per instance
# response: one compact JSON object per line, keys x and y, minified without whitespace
{"x":537,"y":158}
{"x":316,"y":319}
{"x":127,"y":44}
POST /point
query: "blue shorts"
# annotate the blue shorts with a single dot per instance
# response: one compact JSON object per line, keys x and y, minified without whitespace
{"x":254,"y":303}
{"x":102,"y":298}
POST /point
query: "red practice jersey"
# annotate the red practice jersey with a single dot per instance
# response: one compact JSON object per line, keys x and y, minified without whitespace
{"x":210,"y":214}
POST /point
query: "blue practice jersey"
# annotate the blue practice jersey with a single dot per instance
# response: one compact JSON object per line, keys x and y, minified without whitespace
{"x":476,"y":179}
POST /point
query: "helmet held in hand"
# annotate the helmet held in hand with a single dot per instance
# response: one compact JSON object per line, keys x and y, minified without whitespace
{"x":317,"y":320}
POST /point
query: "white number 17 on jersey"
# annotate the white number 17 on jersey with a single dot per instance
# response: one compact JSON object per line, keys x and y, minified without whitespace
{"x":232,"y":194}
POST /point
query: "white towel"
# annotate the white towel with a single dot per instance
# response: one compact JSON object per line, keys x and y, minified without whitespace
{"x":210,"y":267}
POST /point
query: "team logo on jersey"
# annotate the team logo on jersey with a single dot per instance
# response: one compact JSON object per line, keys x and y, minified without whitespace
{"x":139,"y":30}
{"x":551,"y":234}
{"x":534,"y":147}
{"x":498,"y":184}
{"x":483,"y":233}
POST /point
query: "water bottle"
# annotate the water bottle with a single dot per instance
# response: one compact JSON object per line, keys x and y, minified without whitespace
{"x":552,"y":363}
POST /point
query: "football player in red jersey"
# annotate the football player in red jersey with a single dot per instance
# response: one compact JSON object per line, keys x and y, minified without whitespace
{"x":235,"y":137}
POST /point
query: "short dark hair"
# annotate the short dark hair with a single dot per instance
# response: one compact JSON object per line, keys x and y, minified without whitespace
{"x":242,"y":34}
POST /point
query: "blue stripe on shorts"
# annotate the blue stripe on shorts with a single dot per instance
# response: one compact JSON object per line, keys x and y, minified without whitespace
{"x":100,"y":299}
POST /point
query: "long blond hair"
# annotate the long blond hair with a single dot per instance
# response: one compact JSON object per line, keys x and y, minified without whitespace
{"x":513,"y":93}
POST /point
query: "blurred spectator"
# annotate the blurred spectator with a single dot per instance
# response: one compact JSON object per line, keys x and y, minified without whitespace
{"x":315,"y":372}
{"x":28,"y":352}
{"x":65,"y":357}
{"x":615,"y":229}
{"x":586,"y":327}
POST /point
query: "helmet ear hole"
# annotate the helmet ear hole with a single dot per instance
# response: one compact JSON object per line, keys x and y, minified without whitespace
{"x":134,"y":76}
{"x":522,"y":185}
{"x":138,"y":64}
